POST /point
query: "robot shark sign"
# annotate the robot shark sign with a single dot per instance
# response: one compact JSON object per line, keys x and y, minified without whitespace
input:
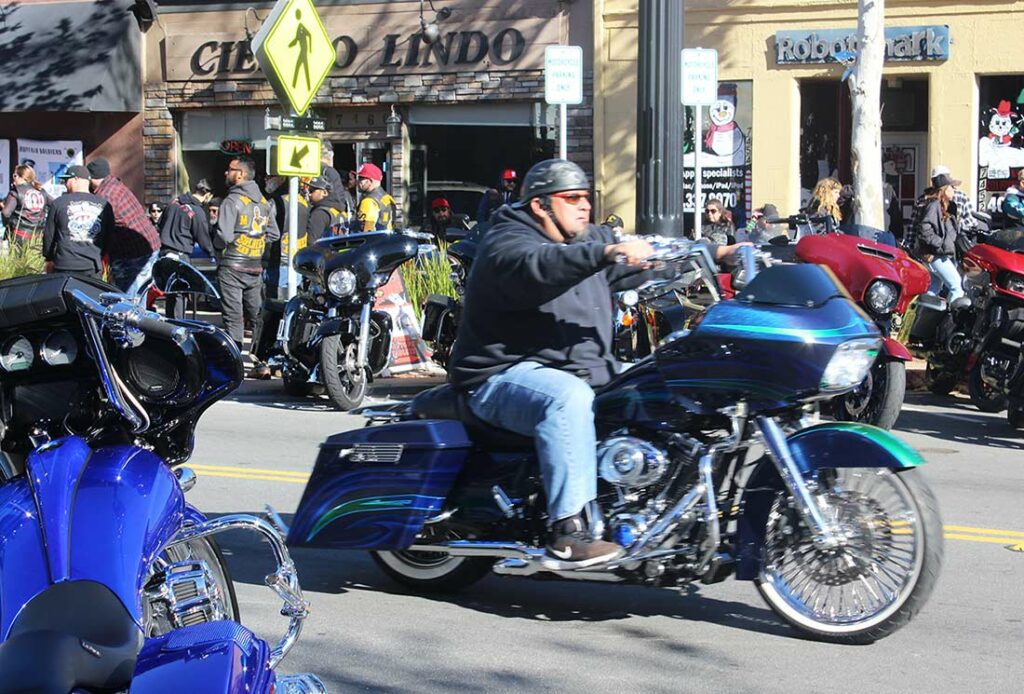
{"x":294,"y":52}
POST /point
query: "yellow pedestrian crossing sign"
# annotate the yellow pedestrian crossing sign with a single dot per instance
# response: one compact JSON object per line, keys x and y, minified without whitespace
{"x":297,"y":156}
{"x":294,"y":52}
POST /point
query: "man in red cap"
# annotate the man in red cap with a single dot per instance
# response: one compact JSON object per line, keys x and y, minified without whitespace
{"x":506,"y":194}
{"x":440,"y":217}
{"x":376,"y":208}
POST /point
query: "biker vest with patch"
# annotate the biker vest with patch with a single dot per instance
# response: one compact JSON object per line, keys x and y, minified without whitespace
{"x":245,"y":252}
{"x":303,"y":238}
{"x":385,"y":210}
{"x":30,"y":213}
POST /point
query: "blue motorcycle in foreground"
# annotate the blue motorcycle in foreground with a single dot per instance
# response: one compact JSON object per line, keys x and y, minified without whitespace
{"x":109,"y":580}
{"x":708,"y":464}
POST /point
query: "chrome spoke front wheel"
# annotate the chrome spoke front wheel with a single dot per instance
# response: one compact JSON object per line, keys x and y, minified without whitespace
{"x":862,"y":583}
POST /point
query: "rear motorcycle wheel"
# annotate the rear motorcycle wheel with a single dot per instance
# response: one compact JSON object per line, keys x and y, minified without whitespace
{"x":346,"y":383}
{"x":433,"y":572}
{"x":879,"y":399}
{"x":882,"y":575}
{"x":983,"y":396}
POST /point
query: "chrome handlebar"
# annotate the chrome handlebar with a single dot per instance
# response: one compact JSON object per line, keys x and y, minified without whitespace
{"x":284,"y":581}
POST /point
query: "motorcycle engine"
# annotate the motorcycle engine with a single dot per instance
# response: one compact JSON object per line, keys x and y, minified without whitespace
{"x":183,"y":594}
{"x":628,"y":462}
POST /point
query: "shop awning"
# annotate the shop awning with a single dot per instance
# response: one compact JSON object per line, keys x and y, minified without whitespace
{"x":73,"y":56}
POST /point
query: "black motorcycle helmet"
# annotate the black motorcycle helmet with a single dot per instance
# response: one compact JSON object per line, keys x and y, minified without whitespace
{"x":548,"y":177}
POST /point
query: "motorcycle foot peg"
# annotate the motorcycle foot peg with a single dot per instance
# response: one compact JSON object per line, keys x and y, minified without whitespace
{"x":503,"y":501}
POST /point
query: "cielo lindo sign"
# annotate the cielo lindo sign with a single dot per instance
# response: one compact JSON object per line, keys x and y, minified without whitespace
{"x":917,"y":43}
{"x":379,"y":49}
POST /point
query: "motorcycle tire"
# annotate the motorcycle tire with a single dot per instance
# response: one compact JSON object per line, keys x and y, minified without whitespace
{"x":432,"y":572}
{"x":925,"y":540}
{"x":940,"y":382}
{"x":346,"y":388}
{"x":983,"y":396}
{"x":880,"y":406}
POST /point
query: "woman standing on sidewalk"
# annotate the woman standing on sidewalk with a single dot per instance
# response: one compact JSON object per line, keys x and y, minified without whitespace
{"x":26,"y":205}
{"x":936,"y":238}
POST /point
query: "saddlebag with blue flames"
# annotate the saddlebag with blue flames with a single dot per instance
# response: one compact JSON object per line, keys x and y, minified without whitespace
{"x":373,"y":488}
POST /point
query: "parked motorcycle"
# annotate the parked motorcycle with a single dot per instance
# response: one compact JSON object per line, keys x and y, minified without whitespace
{"x":328,"y":335}
{"x":441,"y":313}
{"x":976,"y":336}
{"x":110,"y":580}
{"x":832,"y":522}
{"x":883,"y":280}
{"x":993,"y":272}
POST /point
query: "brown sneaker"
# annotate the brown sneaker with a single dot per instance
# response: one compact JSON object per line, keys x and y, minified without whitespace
{"x":260,"y":372}
{"x":571,"y":547}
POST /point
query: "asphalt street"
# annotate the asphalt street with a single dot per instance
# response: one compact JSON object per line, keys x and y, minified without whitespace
{"x":508,"y":634}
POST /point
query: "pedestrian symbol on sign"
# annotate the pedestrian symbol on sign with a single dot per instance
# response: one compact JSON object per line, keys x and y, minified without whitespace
{"x":303,"y":39}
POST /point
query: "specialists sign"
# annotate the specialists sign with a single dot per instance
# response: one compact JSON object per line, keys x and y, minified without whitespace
{"x":902,"y":44}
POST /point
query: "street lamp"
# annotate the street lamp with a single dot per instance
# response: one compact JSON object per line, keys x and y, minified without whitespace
{"x":394,"y":125}
{"x":429,"y":31}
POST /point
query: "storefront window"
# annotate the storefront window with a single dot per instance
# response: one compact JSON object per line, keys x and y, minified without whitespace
{"x":724,"y":148}
{"x":1000,"y":140}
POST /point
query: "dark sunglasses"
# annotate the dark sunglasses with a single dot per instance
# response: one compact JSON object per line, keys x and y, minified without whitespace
{"x":572,"y":198}
{"x":442,"y":209}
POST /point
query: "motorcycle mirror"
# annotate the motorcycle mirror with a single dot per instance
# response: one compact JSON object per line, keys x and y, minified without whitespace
{"x":172,"y":276}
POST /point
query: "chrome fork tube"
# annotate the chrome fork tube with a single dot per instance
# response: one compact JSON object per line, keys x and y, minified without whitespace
{"x":826,"y":535}
{"x":364,"y":334}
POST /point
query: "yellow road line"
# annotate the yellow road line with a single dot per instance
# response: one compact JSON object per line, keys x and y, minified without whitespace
{"x":983,"y":531}
{"x":248,"y":470}
{"x":267,"y":478}
{"x":973,"y":538}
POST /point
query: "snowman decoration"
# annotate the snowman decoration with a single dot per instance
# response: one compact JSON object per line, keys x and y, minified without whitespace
{"x":724,"y":142}
{"x":995,"y":149}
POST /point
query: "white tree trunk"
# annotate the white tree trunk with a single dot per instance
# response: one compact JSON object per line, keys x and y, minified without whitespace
{"x":865,"y":92}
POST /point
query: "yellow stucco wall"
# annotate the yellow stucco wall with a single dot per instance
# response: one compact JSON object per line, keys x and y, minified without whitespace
{"x":984,"y":36}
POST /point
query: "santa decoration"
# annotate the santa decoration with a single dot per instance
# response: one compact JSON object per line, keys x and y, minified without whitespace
{"x":724,"y":139}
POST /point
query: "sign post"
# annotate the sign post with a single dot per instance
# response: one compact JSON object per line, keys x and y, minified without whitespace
{"x":699,"y":89}
{"x":296,"y":54}
{"x":563,"y":85}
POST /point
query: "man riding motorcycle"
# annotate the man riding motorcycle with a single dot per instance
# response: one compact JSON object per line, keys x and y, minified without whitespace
{"x":536,"y":336}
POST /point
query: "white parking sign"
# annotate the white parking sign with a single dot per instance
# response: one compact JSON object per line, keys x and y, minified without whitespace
{"x":563,"y":74}
{"x":700,"y":76}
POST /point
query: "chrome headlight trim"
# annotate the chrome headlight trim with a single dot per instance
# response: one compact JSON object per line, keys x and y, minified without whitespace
{"x":342,"y":282}
{"x":850,"y":364}
{"x":881,"y":296}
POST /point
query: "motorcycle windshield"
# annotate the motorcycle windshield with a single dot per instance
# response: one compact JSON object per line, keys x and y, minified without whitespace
{"x":806,"y":286}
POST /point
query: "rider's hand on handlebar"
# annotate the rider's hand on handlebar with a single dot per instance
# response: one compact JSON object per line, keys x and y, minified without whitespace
{"x":633,"y":252}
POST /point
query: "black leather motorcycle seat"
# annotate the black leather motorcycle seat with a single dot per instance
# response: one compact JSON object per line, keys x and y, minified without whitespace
{"x":73,"y":635}
{"x":445,"y":402}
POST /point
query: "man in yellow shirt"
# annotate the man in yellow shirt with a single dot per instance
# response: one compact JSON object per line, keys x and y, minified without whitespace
{"x":376,"y":207}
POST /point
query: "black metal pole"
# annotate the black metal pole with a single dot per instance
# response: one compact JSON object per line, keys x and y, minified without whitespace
{"x":659,"y":119}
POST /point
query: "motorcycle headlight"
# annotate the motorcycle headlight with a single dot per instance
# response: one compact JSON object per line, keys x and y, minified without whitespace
{"x":850,"y":364}
{"x":881,"y":296}
{"x":1013,"y":282}
{"x":342,"y":282}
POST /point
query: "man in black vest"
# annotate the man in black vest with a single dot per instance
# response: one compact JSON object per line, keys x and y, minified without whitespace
{"x":245,"y":226}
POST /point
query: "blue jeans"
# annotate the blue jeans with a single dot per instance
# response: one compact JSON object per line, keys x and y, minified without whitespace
{"x":131,"y":273}
{"x":945,"y":274}
{"x":557,"y":409}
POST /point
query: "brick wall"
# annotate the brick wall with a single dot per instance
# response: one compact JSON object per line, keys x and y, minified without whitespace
{"x":164,"y":99}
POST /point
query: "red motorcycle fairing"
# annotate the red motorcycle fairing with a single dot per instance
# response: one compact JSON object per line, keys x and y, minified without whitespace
{"x":985,"y":259}
{"x":895,"y":349}
{"x":858,"y":262}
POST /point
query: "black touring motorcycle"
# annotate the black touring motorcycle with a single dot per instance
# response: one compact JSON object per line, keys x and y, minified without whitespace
{"x":328,"y":336}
